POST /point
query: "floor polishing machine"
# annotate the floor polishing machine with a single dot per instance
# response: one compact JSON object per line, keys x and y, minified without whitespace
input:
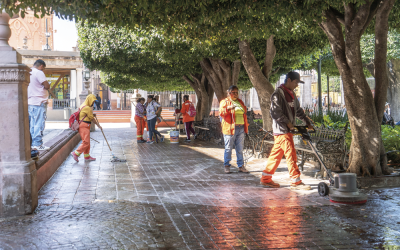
{"x":342,"y":187}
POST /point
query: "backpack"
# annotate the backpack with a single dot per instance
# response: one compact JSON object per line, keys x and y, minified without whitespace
{"x":192,"y":110}
{"x":74,"y":120}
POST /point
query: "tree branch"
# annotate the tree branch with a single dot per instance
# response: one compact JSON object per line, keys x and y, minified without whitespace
{"x":269,"y":57}
{"x":381,"y":76}
{"x":236,"y":70}
{"x":339,"y":16}
{"x":373,"y":10}
{"x":217,"y":68}
{"x":188,"y":80}
{"x":333,"y":30}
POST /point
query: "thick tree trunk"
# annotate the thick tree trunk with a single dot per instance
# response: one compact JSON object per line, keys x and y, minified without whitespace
{"x":220,"y":74}
{"x":366,"y":135}
{"x":203,"y":90}
{"x":381,"y":75}
{"x":260,"y":78}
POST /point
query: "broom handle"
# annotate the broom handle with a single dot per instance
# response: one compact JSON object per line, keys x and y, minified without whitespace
{"x":103,"y":134}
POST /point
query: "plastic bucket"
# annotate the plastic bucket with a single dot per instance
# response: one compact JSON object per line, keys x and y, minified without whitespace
{"x":174,"y":136}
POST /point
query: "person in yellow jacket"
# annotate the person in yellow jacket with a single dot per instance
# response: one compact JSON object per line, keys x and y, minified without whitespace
{"x":234,"y":127}
{"x":86,"y":118}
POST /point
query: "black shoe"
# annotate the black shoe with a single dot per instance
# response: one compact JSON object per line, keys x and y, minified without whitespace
{"x":141,"y":141}
{"x":187,"y":140}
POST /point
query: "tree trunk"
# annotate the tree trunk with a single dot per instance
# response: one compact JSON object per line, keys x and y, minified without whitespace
{"x":202,"y":89}
{"x":220,"y":75}
{"x":363,"y":117}
{"x":394,"y":88}
{"x":393,"y":91}
{"x":260,"y":78}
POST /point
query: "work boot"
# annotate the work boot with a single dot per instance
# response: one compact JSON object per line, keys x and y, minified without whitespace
{"x":227,"y":169}
{"x":243,"y":170}
{"x":300,"y":186}
{"x":89,"y":158}
{"x":141,"y":141}
{"x":75,"y":156}
{"x":270,"y":184}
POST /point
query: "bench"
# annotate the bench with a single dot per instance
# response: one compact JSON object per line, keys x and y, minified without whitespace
{"x":330,"y":143}
{"x":209,"y":129}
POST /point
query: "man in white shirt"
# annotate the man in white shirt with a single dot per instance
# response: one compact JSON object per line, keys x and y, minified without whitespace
{"x":37,"y":104}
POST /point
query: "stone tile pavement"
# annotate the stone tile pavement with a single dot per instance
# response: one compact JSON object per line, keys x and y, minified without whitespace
{"x":176,"y":196}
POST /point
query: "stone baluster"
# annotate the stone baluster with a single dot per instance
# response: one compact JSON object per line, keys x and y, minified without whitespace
{"x":18,"y":189}
{"x":83,"y":96}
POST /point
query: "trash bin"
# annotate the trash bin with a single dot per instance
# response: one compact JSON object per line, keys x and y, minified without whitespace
{"x":67,"y":113}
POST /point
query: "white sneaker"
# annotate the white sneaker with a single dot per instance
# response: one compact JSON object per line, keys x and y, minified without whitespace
{"x":40,"y":148}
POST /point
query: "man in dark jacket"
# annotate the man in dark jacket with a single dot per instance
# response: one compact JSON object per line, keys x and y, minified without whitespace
{"x":284,"y":109}
{"x":98,"y":101}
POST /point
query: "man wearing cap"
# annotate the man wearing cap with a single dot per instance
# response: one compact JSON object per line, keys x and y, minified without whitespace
{"x":285,"y":107}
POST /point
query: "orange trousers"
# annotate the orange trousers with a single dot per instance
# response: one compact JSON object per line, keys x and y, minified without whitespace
{"x":84,"y":131}
{"x":283,"y":145}
{"x":140,"y":125}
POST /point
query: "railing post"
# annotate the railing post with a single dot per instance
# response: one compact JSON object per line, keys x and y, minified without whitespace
{"x":18,"y":190}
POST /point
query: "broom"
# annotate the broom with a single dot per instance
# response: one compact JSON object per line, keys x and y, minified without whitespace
{"x":113,"y":158}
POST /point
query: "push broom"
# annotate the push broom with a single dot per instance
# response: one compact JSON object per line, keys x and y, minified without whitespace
{"x":113,"y":158}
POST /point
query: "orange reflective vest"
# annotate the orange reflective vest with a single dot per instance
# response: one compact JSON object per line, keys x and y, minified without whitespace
{"x":228,"y":117}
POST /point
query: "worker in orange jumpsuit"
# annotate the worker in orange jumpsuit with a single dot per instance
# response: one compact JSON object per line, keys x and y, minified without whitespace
{"x":86,"y":118}
{"x":140,"y":120}
{"x":285,"y":107}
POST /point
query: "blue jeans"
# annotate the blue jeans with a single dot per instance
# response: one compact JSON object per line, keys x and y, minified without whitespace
{"x":37,"y":118}
{"x":151,"y":124}
{"x":398,"y":123}
{"x":236,"y":140}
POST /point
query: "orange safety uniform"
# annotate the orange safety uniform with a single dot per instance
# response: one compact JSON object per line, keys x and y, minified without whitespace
{"x":228,"y":117}
{"x":284,"y":109}
{"x":284,"y":145}
{"x":86,"y":113}
{"x":184,"y":110}
{"x":140,"y":125}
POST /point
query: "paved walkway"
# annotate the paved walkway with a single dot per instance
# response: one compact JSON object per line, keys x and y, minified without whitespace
{"x":176,"y":196}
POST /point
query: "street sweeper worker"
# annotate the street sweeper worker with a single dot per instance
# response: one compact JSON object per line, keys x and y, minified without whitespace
{"x":140,"y":120}
{"x":285,"y":107}
{"x":86,"y":117}
{"x":187,"y":119}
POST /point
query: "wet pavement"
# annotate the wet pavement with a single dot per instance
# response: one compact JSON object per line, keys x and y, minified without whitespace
{"x":176,"y":196}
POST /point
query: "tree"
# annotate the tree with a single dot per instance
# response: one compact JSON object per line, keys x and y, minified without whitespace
{"x":208,"y":22}
{"x":343,"y":23}
{"x":139,"y":59}
{"x":365,"y":111}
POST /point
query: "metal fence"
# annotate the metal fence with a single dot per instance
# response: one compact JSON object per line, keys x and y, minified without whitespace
{"x":64,"y":103}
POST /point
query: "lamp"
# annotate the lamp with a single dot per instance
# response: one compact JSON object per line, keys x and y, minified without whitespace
{"x":86,"y":75}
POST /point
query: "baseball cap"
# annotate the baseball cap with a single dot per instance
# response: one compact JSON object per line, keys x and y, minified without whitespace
{"x":293,"y":76}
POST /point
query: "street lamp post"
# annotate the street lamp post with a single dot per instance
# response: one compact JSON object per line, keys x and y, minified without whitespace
{"x":47,"y":46}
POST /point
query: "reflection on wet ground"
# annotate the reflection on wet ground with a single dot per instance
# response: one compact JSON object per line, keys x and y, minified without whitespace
{"x":170,"y":196}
